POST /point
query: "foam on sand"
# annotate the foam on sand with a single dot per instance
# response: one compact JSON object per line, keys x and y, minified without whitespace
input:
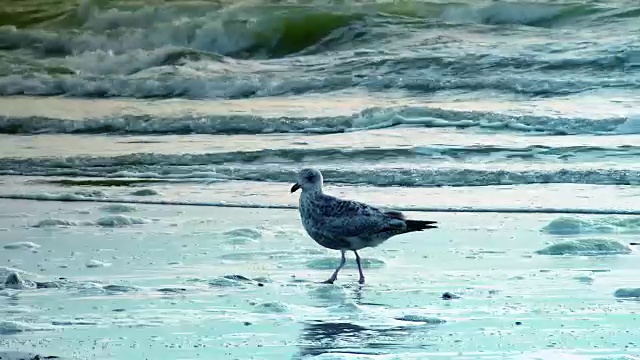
{"x":231,"y":281}
{"x":241,"y":236}
{"x":420,"y":319}
{"x":118,"y":208}
{"x":145,"y":192}
{"x":586,"y":247}
{"x":55,"y":223}
{"x":15,"y":281}
{"x":275,"y":307}
{"x":607,"y":225}
{"x":120,"y":220}
{"x":244,"y":232}
{"x":96,"y":264}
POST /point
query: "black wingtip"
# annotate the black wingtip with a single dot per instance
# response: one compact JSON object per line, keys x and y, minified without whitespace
{"x":419,"y":225}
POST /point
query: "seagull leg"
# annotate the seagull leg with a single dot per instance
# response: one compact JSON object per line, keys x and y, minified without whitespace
{"x":335,"y":273}
{"x":361,"y":280}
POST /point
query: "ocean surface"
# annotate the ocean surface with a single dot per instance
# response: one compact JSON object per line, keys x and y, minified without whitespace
{"x":147,"y":149}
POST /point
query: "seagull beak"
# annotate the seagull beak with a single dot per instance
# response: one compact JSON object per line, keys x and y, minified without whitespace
{"x":295,"y":187}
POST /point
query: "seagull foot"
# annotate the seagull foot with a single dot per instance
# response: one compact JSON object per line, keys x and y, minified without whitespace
{"x":330,"y":281}
{"x":361,"y":281}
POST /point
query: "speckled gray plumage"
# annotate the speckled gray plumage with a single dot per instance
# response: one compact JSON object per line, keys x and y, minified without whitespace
{"x":347,"y":224}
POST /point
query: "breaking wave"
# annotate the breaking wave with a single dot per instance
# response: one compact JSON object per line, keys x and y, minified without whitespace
{"x":185,"y":82}
{"x":199,"y":50}
{"x":373,"y":118}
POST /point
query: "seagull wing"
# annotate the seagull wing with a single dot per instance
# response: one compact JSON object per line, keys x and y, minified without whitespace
{"x":347,"y":218}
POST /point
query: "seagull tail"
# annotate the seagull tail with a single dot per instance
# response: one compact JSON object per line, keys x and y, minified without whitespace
{"x":419,"y":225}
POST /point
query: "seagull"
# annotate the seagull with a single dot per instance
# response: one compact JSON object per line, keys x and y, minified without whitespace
{"x":347,"y":225}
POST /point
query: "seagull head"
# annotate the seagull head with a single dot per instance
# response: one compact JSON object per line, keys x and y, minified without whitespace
{"x":309,"y":179}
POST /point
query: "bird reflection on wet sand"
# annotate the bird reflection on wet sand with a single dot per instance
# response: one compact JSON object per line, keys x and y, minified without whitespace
{"x":344,"y":337}
{"x":349,"y":335}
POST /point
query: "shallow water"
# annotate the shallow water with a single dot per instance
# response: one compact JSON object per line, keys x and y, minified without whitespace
{"x":147,"y":151}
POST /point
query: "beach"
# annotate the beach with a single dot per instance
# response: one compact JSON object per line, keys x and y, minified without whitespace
{"x":148,"y":149}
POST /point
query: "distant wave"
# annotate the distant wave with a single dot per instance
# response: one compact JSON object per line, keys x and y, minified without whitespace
{"x":269,"y":28}
{"x":238,"y":31}
{"x":98,"y":16}
{"x":373,"y":118}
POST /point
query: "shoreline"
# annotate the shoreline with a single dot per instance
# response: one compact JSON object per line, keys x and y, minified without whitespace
{"x":64,"y":198}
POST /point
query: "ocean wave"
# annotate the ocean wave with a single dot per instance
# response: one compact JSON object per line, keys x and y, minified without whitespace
{"x":241,"y":51}
{"x":372,"y":118}
{"x":103,"y":16}
{"x":184,"y":82}
{"x":376,"y":176}
{"x":414,"y":154}
{"x":240,"y":32}
{"x":443,"y":176}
